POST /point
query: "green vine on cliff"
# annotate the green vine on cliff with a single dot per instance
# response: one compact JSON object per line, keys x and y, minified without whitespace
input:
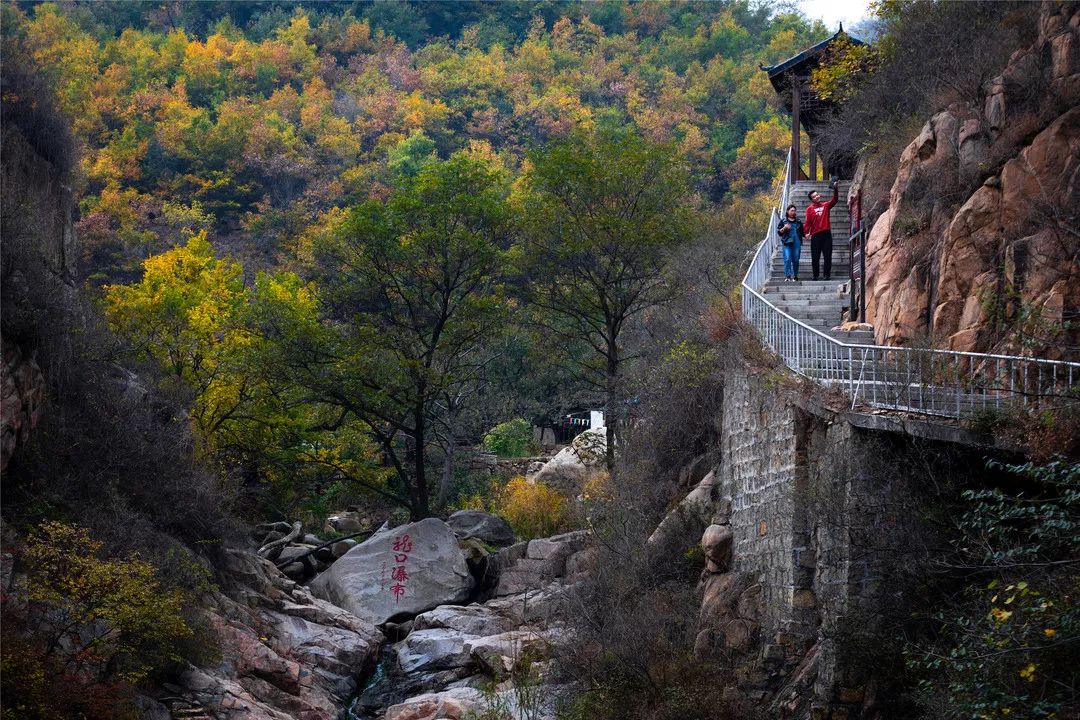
{"x":1009,"y":642}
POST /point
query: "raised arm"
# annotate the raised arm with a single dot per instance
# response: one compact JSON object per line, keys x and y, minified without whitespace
{"x":835,"y":198}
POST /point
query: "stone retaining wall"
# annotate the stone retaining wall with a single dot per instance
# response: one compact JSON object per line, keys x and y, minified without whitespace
{"x":820,"y":510}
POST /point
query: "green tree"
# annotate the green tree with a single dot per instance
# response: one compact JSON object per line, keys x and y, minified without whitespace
{"x":601,"y":214}
{"x":411,"y":290}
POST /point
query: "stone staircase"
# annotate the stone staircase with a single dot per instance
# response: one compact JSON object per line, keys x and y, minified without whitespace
{"x":928,"y":381}
{"x":819,"y":304}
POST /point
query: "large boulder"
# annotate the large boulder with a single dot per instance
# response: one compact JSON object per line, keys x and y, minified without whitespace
{"x":453,"y":647}
{"x":345,"y":522}
{"x":591,"y":446}
{"x":499,"y":654}
{"x":489,"y":528}
{"x":431,"y":649}
{"x":731,"y":611}
{"x":284,"y":654}
{"x":716,"y":542}
{"x":567,"y":470}
{"x":328,"y":639}
{"x":539,"y":562}
{"x":455,"y":704}
{"x":398,"y":573}
{"x":564,"y":471}
{"x":689,"y":518}
{"x":478,"y":620}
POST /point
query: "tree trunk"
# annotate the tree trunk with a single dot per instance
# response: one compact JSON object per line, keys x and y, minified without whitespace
{"x":419,"y":490}
{"x":447,"y":471}
{"x":611,"y":390}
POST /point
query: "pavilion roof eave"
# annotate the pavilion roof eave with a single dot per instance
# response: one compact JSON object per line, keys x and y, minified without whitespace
{"x":777,"y":73}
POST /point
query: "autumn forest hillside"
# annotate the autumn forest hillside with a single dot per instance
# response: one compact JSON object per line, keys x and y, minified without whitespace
{"x":258,"y":121}
{"x":337,"y":232}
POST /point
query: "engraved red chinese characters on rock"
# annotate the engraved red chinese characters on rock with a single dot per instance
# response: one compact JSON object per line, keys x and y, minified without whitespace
{"x":402,"y":547}
{"x":361,"y":580}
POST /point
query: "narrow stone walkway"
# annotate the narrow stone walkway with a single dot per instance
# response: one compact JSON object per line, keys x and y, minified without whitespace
{"x":819,"y":304}
{"x":919,"y":380}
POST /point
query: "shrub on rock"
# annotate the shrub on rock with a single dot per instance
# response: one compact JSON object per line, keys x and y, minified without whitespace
{"x":533,"y":509}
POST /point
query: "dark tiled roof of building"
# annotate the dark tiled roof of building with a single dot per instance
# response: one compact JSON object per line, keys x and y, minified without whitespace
{"x":810,"y":54}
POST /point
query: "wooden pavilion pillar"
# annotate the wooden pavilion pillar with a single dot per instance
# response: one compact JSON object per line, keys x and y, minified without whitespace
{"x":795,"y":101}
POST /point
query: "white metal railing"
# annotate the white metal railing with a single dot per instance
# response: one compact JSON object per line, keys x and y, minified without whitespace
{"x":934,"y":382}
{"x":761,"y":264}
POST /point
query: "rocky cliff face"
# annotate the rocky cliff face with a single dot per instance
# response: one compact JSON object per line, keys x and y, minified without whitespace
{"x":979,"y":246}
{"x":36,"y":281}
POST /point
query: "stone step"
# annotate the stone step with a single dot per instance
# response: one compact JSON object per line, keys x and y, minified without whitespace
{"x":836,"y":267}
{"x":853,"y":338}
{"x":778,"y":297}
{"x":799,"y":190}
{"x":811,"y":343}
{"x":837,"y":252}
{"x":806,"y":259}
{"x":776,"y":277}
{"x":838,"y":213}
{"x":806,"y":275}
{"x":807,"y":298}
{"x":825,"y":301}
{"x":840,"y":244}
{"x":837,"y":248}
{"x":802,"y":287}
{"x":838,"y":217}
{"x":806,"y":282}
{"x":839,"y":276}
{"x":820,"y":320}
{"x":811,"y":313}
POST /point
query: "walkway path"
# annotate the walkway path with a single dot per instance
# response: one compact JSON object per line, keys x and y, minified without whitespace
{"x":820,"y":303}
{"x":796,"y":321}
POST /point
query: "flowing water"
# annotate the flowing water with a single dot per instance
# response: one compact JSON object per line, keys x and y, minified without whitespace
{"x":357,"y":711}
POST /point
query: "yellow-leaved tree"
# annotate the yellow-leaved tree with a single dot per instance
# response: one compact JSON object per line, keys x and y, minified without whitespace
{"x":186,"y":314}
{"x":192,"y":313}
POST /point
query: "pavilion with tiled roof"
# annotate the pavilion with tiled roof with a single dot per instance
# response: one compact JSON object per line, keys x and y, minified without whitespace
{"x":791,"y":79}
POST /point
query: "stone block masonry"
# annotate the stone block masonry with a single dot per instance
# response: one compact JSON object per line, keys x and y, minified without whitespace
{"x":819,"y":509}
{"x":757,"y":476}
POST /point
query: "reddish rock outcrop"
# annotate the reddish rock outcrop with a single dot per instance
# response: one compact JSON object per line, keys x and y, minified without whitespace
{"x":284,"y":653}
{"x":979,"y":247}
{"x":22,"y":394}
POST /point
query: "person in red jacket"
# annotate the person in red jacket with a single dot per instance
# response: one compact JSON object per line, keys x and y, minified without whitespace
{"x":819,"y":230}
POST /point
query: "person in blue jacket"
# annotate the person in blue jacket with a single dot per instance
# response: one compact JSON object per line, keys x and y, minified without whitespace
{"x":791,"y":238}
